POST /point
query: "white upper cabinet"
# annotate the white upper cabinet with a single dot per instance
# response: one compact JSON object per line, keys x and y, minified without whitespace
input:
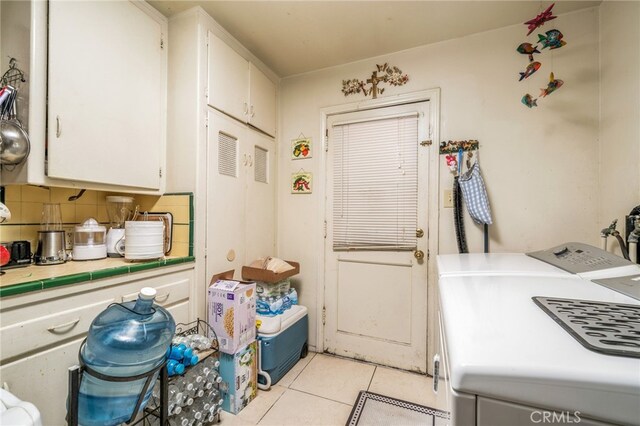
{"x":238,"y":88}
{"x":228,"y":79}
{"x":262,"y":101}
{"x":106,"y":93}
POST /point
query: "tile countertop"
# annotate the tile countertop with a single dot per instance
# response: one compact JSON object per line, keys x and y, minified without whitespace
{"x":34,"y":278}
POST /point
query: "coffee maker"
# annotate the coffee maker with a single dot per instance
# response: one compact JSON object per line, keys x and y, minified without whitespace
{"x":120,"y":209}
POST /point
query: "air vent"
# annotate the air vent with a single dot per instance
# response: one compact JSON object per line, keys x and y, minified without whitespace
{"x":227,"y":155}
{"x":261,"y":170}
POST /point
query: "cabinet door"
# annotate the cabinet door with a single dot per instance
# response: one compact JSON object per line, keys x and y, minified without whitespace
{"x":262,"y":109}
{"x":226,"y":168}
{"x":228,"y":79}
{"x":260,"y":197}
{"x":105,"y":94}
{"x":42,"y":379}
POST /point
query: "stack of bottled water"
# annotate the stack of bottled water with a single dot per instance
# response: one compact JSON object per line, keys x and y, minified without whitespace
{"x":183,"y":352}
{"x":274,"y":299}
{"x":194,"y":396}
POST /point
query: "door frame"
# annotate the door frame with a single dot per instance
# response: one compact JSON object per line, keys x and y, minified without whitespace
{"x":433,"y":97}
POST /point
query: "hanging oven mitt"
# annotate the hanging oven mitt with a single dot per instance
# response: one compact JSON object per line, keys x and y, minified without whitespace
{"x":475,"y":195}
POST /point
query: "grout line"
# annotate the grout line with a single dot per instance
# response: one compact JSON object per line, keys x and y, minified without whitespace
{"x":271,"y":406}
{"x":321,"y":397}
{"x":371,"y":380}
{"x":303,"y":368}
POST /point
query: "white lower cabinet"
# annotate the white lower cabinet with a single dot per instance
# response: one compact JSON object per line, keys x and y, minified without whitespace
{"x":41,"y":332}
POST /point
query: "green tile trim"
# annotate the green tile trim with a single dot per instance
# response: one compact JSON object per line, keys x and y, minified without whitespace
{"x":21,"y":288}
{"x":191,"y":224}
{"x":66,"y":279}
{"x":135,"y":267}
{"x":108,"y":273}
{"x":178,"y":193}
{"x":48,"y":283}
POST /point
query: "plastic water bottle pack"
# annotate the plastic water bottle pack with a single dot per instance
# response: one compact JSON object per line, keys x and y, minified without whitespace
{"x":275,"y":305}
{"x":194,"y":391}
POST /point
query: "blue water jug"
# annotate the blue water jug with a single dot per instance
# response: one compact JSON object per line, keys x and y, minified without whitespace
{"x":126,"y":339}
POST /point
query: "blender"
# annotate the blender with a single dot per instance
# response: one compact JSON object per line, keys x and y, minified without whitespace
{"x":120,"y":209}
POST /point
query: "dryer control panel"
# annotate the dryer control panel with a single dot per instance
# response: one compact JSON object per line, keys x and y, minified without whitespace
{"x":578,"y":258}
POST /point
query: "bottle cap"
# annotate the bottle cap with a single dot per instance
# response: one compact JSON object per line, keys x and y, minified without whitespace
{"x":147,"y":293}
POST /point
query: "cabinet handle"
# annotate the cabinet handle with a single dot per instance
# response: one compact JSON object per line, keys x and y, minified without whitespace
{"x":162,"y":298}
{"x":67,"y":325}
{"x":244,"y":161}
{"x":250,"y":161}
{"x":58,"y":128}
{"x":252,"y":111}
{"x":246,"y":109}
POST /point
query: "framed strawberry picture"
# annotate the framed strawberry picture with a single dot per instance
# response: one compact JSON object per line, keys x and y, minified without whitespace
{"x":301,"y":148}
{"x":301,"y":182}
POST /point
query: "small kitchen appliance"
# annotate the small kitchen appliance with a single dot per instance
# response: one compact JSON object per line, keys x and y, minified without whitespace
{"x":51,"y":240}
{"x":89,"y":241}
{"x":20,"y":254}
{"x":144,"y":240}
{"x":120,"y":209}
{"x":50,"y":251}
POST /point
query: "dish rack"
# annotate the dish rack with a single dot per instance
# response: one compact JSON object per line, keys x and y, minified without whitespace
{"x":158,"y":415}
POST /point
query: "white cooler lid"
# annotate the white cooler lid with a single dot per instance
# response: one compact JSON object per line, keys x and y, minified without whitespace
{"x":274,"y":325}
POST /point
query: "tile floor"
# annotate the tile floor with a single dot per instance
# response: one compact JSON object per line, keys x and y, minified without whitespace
{"x":321,"y":389}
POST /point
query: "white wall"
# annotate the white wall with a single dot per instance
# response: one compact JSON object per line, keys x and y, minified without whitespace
{"x":540,"y":165}
{"x":620,"y":111}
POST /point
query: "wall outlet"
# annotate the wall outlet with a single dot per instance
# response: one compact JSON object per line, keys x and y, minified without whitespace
{"x":448,"y":198}
{"x":68,"y":237}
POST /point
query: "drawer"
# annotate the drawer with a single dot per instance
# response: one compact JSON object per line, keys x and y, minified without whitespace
{"x":26,"y":336}
{"x":167,"y":293}
{"x":180,"y":312}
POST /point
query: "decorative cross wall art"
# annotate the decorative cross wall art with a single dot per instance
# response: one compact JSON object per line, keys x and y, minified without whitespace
{"x":390,"y":75}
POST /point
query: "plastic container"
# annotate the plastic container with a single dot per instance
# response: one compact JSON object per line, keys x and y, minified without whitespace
{"x":124,"y":340}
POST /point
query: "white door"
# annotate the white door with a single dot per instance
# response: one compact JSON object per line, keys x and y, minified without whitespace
{"x":375,"y":281}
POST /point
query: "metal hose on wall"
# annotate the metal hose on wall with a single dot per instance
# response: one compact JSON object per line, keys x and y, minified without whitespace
{"x":458,"y":220}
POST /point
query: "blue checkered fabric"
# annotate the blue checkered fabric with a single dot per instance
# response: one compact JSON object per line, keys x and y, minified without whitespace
{"x":475,"y":195}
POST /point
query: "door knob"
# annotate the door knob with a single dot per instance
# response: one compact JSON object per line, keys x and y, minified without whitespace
{"x":419,"y":233}
{"x":418,"y":254}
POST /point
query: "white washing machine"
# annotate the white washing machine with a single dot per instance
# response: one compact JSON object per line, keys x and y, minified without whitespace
{"x":505,"y":358}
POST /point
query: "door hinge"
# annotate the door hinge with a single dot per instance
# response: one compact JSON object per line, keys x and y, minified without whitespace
{"x":428,"y":254}
{"x":325,"y":229}
{"x":428,"y":142}
{"x":324,"y":315}
{"x":160,"y":171}
{"x":162,"y":41}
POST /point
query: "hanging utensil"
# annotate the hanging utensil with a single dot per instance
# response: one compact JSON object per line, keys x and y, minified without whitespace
{"x":14,"y":140}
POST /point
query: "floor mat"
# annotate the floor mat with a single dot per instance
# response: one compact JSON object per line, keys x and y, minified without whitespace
{"x":371,"y":409}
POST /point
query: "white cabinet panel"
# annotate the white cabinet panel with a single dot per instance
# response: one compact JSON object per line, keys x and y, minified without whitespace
{"x":228,"y":75}
{"x":42,"y":379}
{"x":227,"y":157}
{"x":262,"y":101}
{"x":241,"y":209}
{"x":238,"y":88}
{"x":106,"y":96}
{"x":260,"y":198}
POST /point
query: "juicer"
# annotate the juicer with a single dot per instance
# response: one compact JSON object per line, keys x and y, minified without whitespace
{"x":120,"y":209}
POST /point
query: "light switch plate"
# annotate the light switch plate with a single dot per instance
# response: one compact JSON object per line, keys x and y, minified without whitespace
{"x":448,"y":198}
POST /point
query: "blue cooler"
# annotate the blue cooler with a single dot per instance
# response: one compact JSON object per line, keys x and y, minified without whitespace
{"x":283,"y":341}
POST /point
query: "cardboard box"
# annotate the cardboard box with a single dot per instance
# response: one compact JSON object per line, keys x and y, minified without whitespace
{"x":232,"y":313}
{"x":240,"y":372}
{"x":258,"y":274}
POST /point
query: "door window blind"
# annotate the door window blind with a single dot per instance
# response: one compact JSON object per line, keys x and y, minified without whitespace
{"x":375,"y":184}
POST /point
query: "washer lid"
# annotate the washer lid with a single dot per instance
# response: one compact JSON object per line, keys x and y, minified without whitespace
{"x":501,"y":344}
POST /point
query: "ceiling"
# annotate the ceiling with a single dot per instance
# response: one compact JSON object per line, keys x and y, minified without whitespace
{"x":293,"y":37}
